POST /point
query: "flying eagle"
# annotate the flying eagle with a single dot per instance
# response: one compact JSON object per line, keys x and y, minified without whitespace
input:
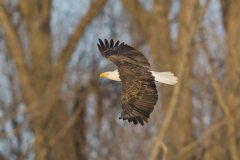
{"x":139,"y":92}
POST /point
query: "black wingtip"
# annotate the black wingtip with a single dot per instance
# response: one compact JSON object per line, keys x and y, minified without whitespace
{"x":111,"y":43}
{"x":100,"y":41}
{"x":104,"y":44}
{"x":121,"y":44}
{"x":99,"y":47}
{"x":140,"y":121}
{"x":116,"y":44}
{"x":134,"y":120}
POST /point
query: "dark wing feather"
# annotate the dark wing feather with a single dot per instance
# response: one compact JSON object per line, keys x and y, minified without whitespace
{"x":139,"y":93}
{"x":121,"y":53}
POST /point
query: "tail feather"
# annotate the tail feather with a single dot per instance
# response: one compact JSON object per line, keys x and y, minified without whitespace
{"x":166,"y":73}
{"x":165,"y":77}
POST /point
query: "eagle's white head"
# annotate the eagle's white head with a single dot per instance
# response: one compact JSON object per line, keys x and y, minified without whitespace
{"x":113,"y":75}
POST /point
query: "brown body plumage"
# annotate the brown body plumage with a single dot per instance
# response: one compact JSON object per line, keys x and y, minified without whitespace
{"x":139,"y":93}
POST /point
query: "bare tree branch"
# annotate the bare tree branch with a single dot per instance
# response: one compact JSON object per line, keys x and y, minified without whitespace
{"x":226,"y":110}
{"x":61,"y":133}
{"x":80,"y":102}
{"x":187,"y":149}
{"x":139,"y":14}
{"x":165,"y":151}
{"x":16,"y":52}
{"x":174,"y":99}
{"x":73,"y":40}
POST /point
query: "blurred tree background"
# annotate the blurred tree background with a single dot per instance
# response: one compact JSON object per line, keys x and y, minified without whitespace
{"x":54,"y":106}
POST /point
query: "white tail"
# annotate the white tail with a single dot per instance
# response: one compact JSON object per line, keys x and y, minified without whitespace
{"x":165,"y":77}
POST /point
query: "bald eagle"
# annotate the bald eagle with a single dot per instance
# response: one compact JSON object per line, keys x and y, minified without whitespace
{"x":139,"y":92}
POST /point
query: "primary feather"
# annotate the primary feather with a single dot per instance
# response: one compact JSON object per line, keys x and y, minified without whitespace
{"x":139,"y":92}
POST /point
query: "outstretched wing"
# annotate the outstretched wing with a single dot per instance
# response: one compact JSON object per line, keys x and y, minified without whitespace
{"x":120,"y":53}
{"x":139,"y":93}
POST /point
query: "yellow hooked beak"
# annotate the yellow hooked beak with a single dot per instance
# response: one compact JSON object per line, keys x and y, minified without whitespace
{"x":103,"y":75}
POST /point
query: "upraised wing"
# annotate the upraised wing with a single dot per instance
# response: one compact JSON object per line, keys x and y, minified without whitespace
{"x":120,"y":53}
{"x":139,"y":93}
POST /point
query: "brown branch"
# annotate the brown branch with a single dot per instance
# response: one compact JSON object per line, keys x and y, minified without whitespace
{"x":66,"y":127}
{"x":174,"y":99}
{"x":66,"y":54}
{"x":138,"y":14}
{"x":16,"y":51}
{"x":226,"y":110}
{"x":165,"y":151}
{"x":171,"y":108}
{"x":205,"y":136}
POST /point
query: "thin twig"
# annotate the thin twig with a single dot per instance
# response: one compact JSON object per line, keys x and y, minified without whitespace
{"x":174,"y":99}
{"x":62,"y":132}
{"x":138,"y":14}
{"x":226,"y":110}
{"x":66,"y":53}
{"x":205,"y":136}
{"x":16,"y":51}
{"x":165,"y":151}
